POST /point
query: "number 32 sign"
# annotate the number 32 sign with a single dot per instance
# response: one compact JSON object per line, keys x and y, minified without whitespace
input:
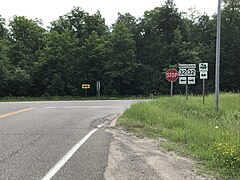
{"x":187,"y":72}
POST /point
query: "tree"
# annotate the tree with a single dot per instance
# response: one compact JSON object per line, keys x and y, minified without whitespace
{"x":54,"y":72}
{"x":157,"y":33}
{"x":89,"y":67}
{"x":119,"y":67}
{"x":230,"y":46}
{"x":158,"y":30}
{"x":81,"y":24}
{"x":26,"y":38}
{"x":4,"y":61}
{"x":130,"y":58}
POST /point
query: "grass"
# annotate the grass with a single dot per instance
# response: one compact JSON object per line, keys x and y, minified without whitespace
{"x":209,"y":136}
{"x":63,"y":98}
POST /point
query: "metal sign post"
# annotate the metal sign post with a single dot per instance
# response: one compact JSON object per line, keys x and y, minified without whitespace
{"x":203,"y":93}
{"x":99,"y":90}
{"x":171,"y":92}
{"x":218,"y":56}
{"x":186,"y":90}
{"x":85,"y":92}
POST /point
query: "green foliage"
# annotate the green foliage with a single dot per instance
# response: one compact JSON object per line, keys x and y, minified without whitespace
{"x":4,"y":60}
{"x":128,"y":58}
{"x":231,"y":45}
{"x":120,"y":66}
{"x":27,"y":38}
{"x":56,"y":64}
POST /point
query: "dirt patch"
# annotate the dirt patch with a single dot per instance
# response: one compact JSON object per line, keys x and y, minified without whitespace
{"x":133,"y":158}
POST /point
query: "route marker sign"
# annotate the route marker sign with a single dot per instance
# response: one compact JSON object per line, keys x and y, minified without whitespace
{"x":182,"y":72}
{"x":203,"y":67}
{"x":191,"y":72}
{"x":187,"y":73}
{"x":171,"y":75}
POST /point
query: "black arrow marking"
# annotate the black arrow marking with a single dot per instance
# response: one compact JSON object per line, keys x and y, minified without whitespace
{"x":191,"y":80}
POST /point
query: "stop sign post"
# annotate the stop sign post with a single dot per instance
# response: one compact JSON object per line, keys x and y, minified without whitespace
{"x":172,"y":75}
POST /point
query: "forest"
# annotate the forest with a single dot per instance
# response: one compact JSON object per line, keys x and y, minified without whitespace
{"x":129,"y":58}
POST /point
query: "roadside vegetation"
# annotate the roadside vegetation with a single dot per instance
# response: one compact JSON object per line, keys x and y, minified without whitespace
{"x":193,"y":128}
{"x":67,"y":98}
{"x":130,"y":57}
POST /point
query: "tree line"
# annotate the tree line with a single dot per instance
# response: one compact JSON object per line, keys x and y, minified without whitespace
{"x":128,"y":58}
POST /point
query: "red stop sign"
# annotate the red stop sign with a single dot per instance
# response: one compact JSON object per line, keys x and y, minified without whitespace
{"x":171,"y":75}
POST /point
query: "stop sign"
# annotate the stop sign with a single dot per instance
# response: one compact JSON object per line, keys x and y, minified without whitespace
{"x":171,"y":75}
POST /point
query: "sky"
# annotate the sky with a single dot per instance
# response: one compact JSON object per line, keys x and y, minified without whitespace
{"x":49,"y":10}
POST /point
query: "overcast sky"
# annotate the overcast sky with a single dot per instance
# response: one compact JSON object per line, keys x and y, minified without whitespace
{"x":49,"y":10}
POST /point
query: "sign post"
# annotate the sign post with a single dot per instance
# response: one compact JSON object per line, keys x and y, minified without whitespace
{"x":171,"y":91}
{"x":85,"y":90}
{"x":171,"y":75}
{"x":203,"y":93}
{"x":203,"y":69}
{"x":98,"y":89}
{"x":85,"y":87}
{"x":186,"y":91}
{"x":218,"y":55}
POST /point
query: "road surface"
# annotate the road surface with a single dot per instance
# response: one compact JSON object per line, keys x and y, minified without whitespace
{"x":56,"y":140}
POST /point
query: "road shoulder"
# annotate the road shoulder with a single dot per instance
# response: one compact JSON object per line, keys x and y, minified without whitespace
{"x":133,"y":158}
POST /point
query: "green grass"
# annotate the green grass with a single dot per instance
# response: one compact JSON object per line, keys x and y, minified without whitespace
{"x":211,"y":137}
{"x":64,"y":98}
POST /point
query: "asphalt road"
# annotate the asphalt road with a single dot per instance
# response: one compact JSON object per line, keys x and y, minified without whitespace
{"x":36,"y":138}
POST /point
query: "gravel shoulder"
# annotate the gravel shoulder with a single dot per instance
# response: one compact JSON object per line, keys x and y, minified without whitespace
{"x":133,"y":158}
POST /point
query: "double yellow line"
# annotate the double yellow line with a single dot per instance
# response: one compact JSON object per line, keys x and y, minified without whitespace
{"x":15,"y":112}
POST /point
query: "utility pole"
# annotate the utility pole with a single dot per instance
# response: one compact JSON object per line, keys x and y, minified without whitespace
{"x":217,"y":69}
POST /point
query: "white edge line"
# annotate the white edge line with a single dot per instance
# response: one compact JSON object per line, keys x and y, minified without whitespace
{"x":100,"y":125}
{"x":68,"y":155}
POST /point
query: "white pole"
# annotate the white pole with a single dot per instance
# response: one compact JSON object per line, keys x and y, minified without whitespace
{"x":218,"y":55}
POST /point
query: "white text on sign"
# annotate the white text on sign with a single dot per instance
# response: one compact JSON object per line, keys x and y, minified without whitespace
{"x":172,"y":75}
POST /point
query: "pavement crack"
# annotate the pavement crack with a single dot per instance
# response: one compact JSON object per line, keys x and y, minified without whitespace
{"x":101,"y":120}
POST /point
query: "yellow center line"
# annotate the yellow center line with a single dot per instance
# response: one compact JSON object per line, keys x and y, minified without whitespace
{"x":15,"y":112}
